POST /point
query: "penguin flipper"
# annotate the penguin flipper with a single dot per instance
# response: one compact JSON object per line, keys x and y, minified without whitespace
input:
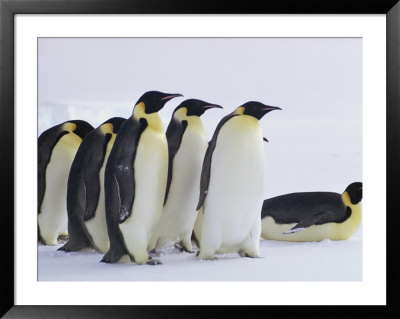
{"x":91,"y":181}
{"x":174,"y":134}
{"x":91,"y":185}
{"x":316,"y":219}
{"x":206,"y":169}
{"x":123,"y":172}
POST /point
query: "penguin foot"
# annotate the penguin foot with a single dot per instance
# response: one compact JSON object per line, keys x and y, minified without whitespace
{"x":153,"y":262}
{"x":182,"y":248}
{"x":74,"y":246}
{"x":244,"y":254}
{"x":205,"y":257}
{"x":110,"y":258}
{"x":156,"y":253}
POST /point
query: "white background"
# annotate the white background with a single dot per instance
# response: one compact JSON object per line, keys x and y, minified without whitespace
{"x":315,"y":142}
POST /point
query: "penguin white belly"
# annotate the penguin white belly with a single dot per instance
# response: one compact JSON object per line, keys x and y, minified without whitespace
{"x":53,"y":216}
{"x":234,"y":199}
{"x":179,"y":213}
{"x":97,"y":226}
{"x":151,"y":171}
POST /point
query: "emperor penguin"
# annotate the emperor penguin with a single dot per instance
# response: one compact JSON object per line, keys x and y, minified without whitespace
{"x":187,"y":144}
{"x":135,"y":180}
{"x":313,"y":216}
{"x":87,"y":227}
{"x":231,"y":184}
{"x":57,"y":147}
{"x":199,"y":220}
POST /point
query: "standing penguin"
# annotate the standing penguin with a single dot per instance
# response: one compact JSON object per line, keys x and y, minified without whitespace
{"x":87,"y":227}
{"x":199,"y":221}
{"x":187,"y":144}
{"x":231,"y":184}
{"x":135,"y":180}
{"x":57,"y":147}
{"x":312,"y":216}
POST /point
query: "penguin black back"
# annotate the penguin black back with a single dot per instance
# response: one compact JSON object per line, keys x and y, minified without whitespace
{"x":87,"y":164}
{"x":84,"y":184}
{"x":174,"y":134}
{"x":176,"y":129}
{"x":46,"y":142}
{"x":206,"y":169}
{"x":297,"y":207}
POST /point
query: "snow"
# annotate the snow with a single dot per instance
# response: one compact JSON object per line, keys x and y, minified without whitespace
{"x":315,"y":142}
{"x":281,"y":261}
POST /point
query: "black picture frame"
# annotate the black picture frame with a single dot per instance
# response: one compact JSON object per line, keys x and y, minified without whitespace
{"x":8,"y":10}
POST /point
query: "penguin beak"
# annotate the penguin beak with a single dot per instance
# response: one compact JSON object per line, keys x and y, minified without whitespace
{"x":270,"y":108}
{"x":212,"y":106}
{"x":170,"y":96}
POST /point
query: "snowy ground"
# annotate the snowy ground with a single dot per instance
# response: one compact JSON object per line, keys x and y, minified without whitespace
{"x":281,"y":261}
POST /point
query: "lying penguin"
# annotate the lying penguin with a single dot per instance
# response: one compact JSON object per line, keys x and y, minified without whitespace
{"x":312,"y":216}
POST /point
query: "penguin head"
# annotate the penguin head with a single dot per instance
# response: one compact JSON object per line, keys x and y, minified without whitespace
{"x":195,"y":107}
{"x":115,"y":123}
{"x":255,"y":109}
{"x":355,"y":192}
{"x":81,"y":128}
{"x":154,"y":100}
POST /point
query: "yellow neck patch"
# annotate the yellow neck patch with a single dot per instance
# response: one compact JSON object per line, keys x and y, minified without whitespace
{"x":70,"y":127}
{"x":239,"y":110}
{"x":194,"y":121}
{"x":106,"y":128}
{"x":244,"y":119}
{"x":153,"y":119}
{"x":349,"y":227}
